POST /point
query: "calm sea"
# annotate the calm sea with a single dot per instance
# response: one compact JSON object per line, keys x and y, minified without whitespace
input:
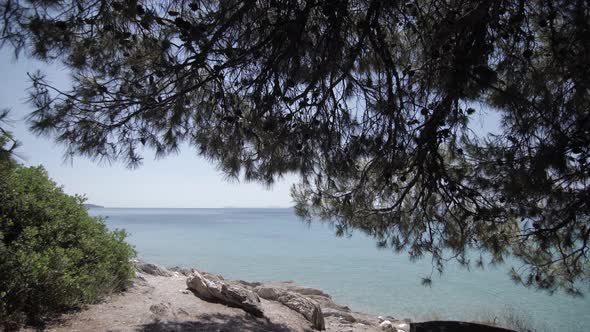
{"x":273,"y":244}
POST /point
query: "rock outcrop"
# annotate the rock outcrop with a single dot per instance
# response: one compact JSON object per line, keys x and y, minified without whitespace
{"x":185,"y":271}
{"x":157,"y":300}
{"x":152,"y":269}
{"x":342,"y":315}
{"x":212,"y":288}
{"x":295,"y":301}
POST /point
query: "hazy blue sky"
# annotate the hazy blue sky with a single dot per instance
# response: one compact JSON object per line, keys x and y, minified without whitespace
{"x":183,"y":180}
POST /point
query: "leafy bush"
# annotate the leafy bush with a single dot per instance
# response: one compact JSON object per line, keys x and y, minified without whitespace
{"x":53,"y":255}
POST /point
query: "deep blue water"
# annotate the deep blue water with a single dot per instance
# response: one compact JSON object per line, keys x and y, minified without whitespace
{"x":273,"y":244}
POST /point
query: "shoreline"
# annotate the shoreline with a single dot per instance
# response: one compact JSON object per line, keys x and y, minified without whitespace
{"x":185,"y":299}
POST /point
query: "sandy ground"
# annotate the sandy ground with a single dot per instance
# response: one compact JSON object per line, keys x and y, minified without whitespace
{"x":163,"y":303}
{"x":156,"y":303}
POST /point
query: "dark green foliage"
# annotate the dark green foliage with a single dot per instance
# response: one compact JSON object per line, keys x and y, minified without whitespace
{"x":53,"y":256}
{"x":369,"y":100}
{"x":7,"y":143}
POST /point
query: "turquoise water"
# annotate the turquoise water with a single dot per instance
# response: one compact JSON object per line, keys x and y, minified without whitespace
{"x":272,"y":244}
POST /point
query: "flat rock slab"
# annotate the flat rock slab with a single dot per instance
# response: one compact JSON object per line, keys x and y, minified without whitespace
{"x":153,"y":269}
{"x":212,"y":288}
{"x":342,"y":315}
{"x":295,"y":301}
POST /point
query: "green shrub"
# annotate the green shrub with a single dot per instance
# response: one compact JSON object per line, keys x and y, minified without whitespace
{"x":53,"y":255}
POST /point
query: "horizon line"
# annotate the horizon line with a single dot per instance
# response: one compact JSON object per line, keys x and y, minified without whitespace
{"x":161,"y":207}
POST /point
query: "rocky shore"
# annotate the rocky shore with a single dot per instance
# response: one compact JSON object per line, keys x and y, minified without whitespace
{"x":184,"y":299}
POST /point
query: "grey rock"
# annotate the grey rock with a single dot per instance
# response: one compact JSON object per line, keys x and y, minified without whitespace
{"x":249,"y":284}
{"x":211,"y":288}
{"x":153,"y":269}
{"x":291,"y":286}
{"x":326,"y":302}
{"x":297,"y":302}
{"x":186,"y":271}
{"x":268,"y":293}
{"x":387,"y":326}
{"x":339,"y":314}
{"x":310,"y":291}
{"x":159,"y":309}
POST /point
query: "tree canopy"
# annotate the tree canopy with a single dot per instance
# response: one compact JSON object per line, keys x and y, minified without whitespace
{"x":369,"y":101}
{"x":8,"y":144}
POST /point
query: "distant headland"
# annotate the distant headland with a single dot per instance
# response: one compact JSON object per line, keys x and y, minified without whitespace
{"x":93,"y":206}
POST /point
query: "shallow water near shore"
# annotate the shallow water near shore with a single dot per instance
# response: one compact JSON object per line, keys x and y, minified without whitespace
{"x":274,"y":245}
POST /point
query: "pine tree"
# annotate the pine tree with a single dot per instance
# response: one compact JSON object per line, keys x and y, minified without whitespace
{"x":369,"y":101}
